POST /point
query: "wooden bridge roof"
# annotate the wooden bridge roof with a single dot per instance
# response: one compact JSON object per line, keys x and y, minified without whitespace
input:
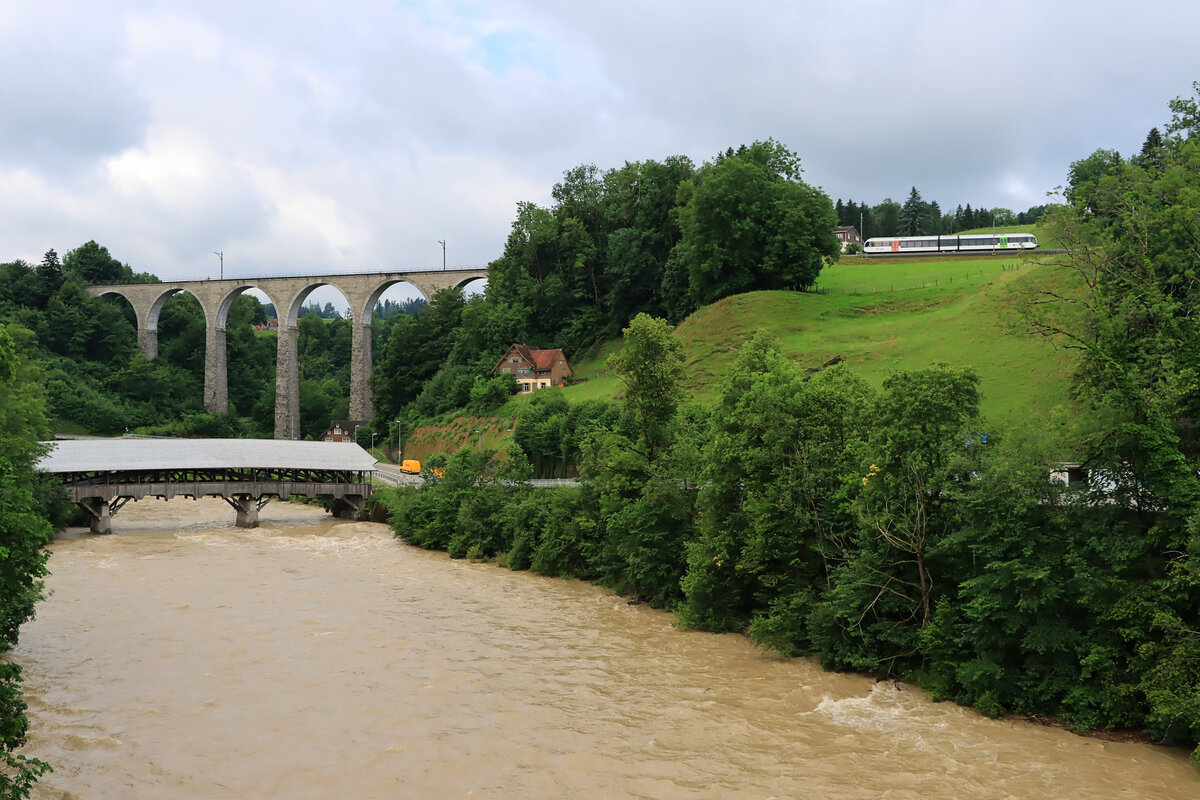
{"x":102,"y":455}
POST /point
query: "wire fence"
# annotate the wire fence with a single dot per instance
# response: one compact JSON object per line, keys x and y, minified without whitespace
{"x":936,"y":281}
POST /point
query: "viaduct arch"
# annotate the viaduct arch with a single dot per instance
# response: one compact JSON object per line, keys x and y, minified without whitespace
{"x":361,"y":290}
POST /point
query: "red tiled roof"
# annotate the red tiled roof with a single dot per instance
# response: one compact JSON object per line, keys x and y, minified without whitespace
{"x":544,"y":359}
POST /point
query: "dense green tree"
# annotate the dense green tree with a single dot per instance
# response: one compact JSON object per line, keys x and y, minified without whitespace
{"x":870,"y":226}
{"x":646,"y":511}
{"x":749,"y":222}
{"x":774,"y":469}
{"x":1130,"y":227}
{"x":250,"y":357}
{"x":1031,"y":215}
{"x":416,"y":348}
{"x":650,"y":367}
{"x":487,"y":329}
{"x":488,"y":394}
{"x":883,"y":594}
{"x":914,"y":215}
{"x":849,"y":214}
{"x":886,"y":218}
{"x":1185,"y":116}
{"x":1153,"y":151}
{"x":1086,"y":179}
{"x":16,"y":282}
{"x":936,"y":220}
{"x":1003,"y":216}
{"x":24,"y":531}
{"x":91,"y":263}
{"x":48,"y":279}
{"x":641,"y":201}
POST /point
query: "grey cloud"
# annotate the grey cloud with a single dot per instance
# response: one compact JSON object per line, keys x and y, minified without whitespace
{"x":63,"y":97}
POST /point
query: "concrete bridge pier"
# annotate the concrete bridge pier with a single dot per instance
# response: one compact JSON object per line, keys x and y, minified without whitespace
{"x":350,"y":506}
{"x":360,"y":370}
{"x":216,"y":300}
{"x":101,"y":512}
{"x":247,"y":508}
{"x":287,"y":383}
{"x":216,"y":373}
{"x":148,"y":342}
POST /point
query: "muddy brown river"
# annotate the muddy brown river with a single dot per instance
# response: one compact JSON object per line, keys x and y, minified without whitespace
{"x":181,"y":657}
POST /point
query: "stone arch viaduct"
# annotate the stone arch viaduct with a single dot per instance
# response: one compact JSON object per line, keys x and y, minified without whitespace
{"x":361,"y":290}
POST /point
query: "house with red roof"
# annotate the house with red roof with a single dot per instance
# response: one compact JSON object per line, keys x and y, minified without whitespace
{"x":847,"y":235}
{"x":534,"y":369}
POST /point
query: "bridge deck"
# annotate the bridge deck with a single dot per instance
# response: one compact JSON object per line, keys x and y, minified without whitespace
{"x":101,"y":475}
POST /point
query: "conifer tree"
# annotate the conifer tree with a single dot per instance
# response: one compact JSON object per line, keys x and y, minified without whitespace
{"x":914,"y":215}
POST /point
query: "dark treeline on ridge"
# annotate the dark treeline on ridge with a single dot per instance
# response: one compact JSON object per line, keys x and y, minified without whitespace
{"x":916,"y":217}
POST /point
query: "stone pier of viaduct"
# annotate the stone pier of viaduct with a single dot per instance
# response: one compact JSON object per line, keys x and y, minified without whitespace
{"x":288,"y":294}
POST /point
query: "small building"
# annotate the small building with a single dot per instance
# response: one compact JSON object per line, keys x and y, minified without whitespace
{"x":534,"y":369}
{"x":847,"y":234}
{"x":342,"y":430}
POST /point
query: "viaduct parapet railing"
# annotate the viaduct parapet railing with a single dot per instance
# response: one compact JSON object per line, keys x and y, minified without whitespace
{"x":287,"y":294}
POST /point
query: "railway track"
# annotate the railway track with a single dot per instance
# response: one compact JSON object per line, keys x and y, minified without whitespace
{"x":947,"y":253}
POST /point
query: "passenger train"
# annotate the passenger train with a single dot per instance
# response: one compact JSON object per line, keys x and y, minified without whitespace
{"x":975,"y":242}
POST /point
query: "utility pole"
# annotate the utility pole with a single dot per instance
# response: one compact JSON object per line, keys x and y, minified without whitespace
{"x":442,"y":242}
{"x":221,"y":255}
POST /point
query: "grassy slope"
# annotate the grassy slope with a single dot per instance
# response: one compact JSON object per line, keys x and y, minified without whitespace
{"x":887,"y":315}
{"x":487,"y":433}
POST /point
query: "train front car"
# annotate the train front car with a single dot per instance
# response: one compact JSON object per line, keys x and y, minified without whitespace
{"x":989,"y":242}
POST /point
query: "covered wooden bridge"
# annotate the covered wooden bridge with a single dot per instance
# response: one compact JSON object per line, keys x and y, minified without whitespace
{"x":102,"y":475}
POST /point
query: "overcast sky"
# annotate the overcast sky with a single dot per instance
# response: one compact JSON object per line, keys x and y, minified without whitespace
{"x":308,"y":136}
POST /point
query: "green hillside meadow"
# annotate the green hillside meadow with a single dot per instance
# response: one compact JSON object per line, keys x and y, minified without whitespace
{"x":885,"y":315}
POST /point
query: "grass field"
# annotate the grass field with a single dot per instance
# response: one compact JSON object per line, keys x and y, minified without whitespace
{"x":881,"y":316}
